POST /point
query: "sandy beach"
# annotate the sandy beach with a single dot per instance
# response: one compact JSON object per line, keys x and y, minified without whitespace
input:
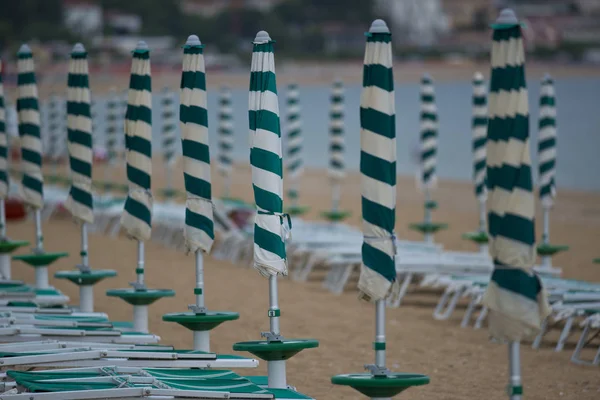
{"x":462,"y":363}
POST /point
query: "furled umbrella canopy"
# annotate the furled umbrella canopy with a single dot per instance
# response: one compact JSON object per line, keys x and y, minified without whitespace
{"x":547,"y":142}
{"x":515,"y":296}
{"x":112,"y":127}
{"x":3,"y":143}
{"x":79,"y":137}
{"x":294,"y":160}
{"x":266,"y":161}
{"x":479,"y":130}
{"x":336,"y":132}
{"x":429,"y":133}
{"x":169,"y":136}
{"x":378,"y":165}
{"x":29,"y":130}
{"x":193,"y":116}
{"x":226,"y":140}
{"x":137,"y":216}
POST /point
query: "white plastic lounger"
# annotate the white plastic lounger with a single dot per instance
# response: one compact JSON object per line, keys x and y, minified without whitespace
{"x":591,"y":331}
{"x":28,"y":334}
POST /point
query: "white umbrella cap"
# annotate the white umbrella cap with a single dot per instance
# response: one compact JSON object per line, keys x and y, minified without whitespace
{"x":546,"y":77}
{"x":78,"y":48}
{"x":426,"y":76}
{"x":193,"y":40}
{"x":142,"y":45}
{"x":478,"y":76}
{"x":379,"y":26}
{"x":507,"y":17}
{"x":262,"y":37}
{"x":24,"y":49}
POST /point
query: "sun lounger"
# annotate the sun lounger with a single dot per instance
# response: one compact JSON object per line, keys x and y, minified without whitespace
{"x":591,"y":331}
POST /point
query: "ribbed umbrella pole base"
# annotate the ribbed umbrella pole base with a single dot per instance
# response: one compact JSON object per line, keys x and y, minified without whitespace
{"x":202,"y":341}
{"x":5,"y":270}
{"x":41,"y":277}
{"x":86,"y":298}
{"x":515,"y":390}
{"x":276,"y":374}
{"x":140,"y":319}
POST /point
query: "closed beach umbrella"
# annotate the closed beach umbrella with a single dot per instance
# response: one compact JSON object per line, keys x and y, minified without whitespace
{"x":3,"y":156}
{"x":547,"y":151}
{"x":294,"y":160}
{"x":55,"y":131}
{"x":336,"y":142}
{"x":79,"y":137}
{"x":378,"y":165}
{"x":169,"y":138}
{"x":193,"y":116}
{"x":29,"y":130}
{"x":515,"y":298}
{"x":479,"y":131}
{"x":111,"y":135}
{"x":137,"y":216}
{"x":266,"y":161}
{"x":429,"y":133}
{"x":226,"y":139}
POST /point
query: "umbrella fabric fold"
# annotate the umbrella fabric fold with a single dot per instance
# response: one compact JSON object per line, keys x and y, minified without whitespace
{"x":193,"y":116}
{"x":137,"y":215}
{"x":32,"y":184}
{"x":169,"y":136}
{"x":226,"y":140}
{"x":479,"y":131}
{"x":55,"y":113}
{"x":3,"y":143}
{"x":336,"y":132}
{"x":266,"y":161}
{"x":429,"y":133}
{"x":515,"y":296}
{"x":112,"y":124}
{"x":79,"y":138}
{"x":294,"y":161}
{"x":547,"y":142}
{"x":378,"y":166}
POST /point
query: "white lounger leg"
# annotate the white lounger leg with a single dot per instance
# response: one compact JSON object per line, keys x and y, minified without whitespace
{"x":538,"y":339}
{"x":305,"y":268}
{"x":469,"y":312}
{"x":403,"y":289}
{"x":564,"y":335}
{"x":481,"y":318}
{"x":576,"y":357}
{"x":451,"y":306}
{"x":345,"y":276}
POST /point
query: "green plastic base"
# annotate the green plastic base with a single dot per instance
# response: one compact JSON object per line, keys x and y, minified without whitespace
{"x":8,"y":246}
{"x":170,"y":193}
{"x":430,"y":205}
{"x":111,"y":186}
{"x":596,"y":260}
{"x":548,"y":250}
{"x":201,"y":322}
{"x":140,"y":297}
{"x":276,"y":351}
{"x":81,"y":278}
{"x":384,"y":386}
{"x":297,"y":210}
{"x":477,"y":237}
{"x":335,"y":216}
{"x":41,"y":259}
{"x":425,"y":227}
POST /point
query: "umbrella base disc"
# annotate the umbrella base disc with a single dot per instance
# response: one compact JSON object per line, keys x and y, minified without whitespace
{"x":548,"y":250}
{"x":477,"y":237}
{"x":85,"y":278}
{"x":431,"y":227}
{"x":170,"y":193}
{"x":430,"y":205}
{"x":201,"y":322}
{"x":382,"y":387}
{"x":335,"y":216}
{"x":276,"y":351}
{"x":41,"y":259}
{"x":140,"y":297}
{"x":8,"y":246}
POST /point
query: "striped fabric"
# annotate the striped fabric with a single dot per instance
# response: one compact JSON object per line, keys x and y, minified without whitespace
{"x":479,"y":130}
{"x":137,"y":216}
{"x":294,"y":161}
{"x":429,"y":132}
{"x":55,"y":114}
{"x":378,"y":165}
{"x":3,"y":143}
{"x":79,"y":137}
{"x":225,"y":139}
{"x":515,"y":296}
{"x":266,"y":161}
{"x":193,"y":116}
{"x":169,"y":137}
{"x":29,"y":130}
{"x":336,"y":132}
{"x":112,"y":127}
{"x":547,"y":142}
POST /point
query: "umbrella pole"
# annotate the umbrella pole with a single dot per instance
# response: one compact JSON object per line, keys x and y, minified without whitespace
{"x":140,"y":312}
{"x":515,"y":388}
{"x":380,"y":334}
{"x":41,"y":272}
{"x":428,"y":235}
{"x":201,"y":338}
{"x":546,"y":260}
{"x":335,"y":196}
{"x":4,"y":257}
{"x":275,"y":369}
{"x":86,"y":292}
{"x":483,"y":247}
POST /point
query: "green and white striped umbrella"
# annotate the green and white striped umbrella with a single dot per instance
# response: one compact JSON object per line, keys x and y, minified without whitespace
{"x":336,"y":132}
{"x":3,"y":143}
{"x":55,"y":114}
{"x":378,"y":165}
{"x":479,"y":130}
{"x":429,"y":133}
{"x":137,"y":216}
{"x":169,"y":137}
{"x":294,"y":161}
{"x":266,"y":161}
{"x":193,"y":116}
{"x":79,"y":137}
{"x":547,"y":142}
{"x":226,"y":140}
{"x":29,"y":130}
{"x":515,"y":296}
{"x":112,"y":127}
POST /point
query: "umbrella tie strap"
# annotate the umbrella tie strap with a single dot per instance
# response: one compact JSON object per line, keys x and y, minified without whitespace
{"x":286,"y":230}
{"x":391,"y":237}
